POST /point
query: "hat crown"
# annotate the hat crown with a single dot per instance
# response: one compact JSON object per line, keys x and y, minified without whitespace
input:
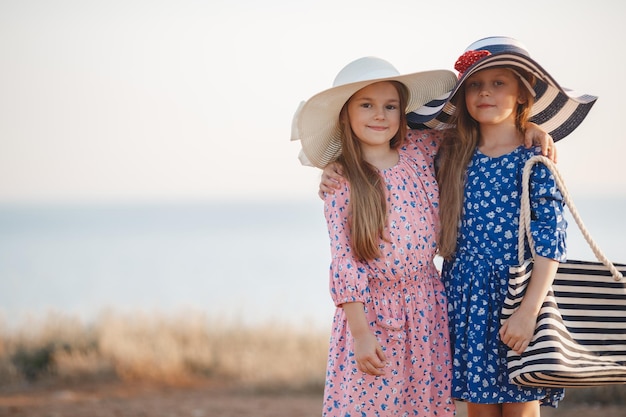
{"x":498,"y":45}
{"x":364,"y":69}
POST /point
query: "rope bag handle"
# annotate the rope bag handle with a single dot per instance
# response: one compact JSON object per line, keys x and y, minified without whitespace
{"x":524,"y":220}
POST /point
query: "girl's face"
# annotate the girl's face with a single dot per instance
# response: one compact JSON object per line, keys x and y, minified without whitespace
{"x":374,"y":114}
{"x":492,"y":96}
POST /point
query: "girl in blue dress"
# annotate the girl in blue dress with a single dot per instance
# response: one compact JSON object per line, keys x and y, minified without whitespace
{"x":480,"y":167}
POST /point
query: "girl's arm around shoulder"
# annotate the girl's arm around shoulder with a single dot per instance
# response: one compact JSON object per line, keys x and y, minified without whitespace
{"x":537,"y":136}
{"x":418,"y":142}
{"x":331,"y":179}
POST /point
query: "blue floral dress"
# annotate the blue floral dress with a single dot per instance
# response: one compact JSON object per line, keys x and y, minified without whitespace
{"x":476,"y":279}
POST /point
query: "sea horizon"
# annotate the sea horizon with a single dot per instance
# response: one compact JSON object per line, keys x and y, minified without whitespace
{"x":243,"y":261}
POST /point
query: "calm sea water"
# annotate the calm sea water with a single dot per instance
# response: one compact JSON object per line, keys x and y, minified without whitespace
{"x":244,"y":261}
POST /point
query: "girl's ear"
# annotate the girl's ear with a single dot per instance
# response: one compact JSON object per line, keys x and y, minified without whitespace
{"x":521,"y":99}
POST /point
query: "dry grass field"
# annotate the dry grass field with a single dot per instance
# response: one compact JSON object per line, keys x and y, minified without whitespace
{"x":185,"y":365}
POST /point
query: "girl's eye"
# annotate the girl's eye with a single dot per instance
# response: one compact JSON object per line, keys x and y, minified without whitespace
{"x":473,"y":84}
{"x":366,"y":105}
{"x":391,"y":107}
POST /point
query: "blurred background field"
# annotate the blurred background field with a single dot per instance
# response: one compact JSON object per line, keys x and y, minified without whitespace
{"x":172,"y":363}
{"x":173,"y":350}
{"x":178,"y":350}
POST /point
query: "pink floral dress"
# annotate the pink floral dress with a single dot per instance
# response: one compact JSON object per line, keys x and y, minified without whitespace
{"x":404,"y":298}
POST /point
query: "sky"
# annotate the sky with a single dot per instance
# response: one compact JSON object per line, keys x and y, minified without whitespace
{"x":182,"y":100}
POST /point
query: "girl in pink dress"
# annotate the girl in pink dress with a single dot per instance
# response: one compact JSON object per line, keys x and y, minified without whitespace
{"x":389,"y":349}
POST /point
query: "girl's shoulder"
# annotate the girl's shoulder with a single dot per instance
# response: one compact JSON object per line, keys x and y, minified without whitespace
{"x":539,"y":171}
{"x":526,"y":153}
{"x":532,"y":151}
{"x":427,"y":141}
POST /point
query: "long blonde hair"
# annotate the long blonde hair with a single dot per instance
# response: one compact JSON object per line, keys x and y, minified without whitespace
{"x":368,"y":201}
{"x":455,"y":153}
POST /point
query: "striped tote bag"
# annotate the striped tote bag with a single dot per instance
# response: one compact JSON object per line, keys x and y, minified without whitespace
{"x":580,"y":335}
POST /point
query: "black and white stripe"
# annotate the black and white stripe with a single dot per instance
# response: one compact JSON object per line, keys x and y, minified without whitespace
{"x":557,"y":110}
{"x":580,"y":337}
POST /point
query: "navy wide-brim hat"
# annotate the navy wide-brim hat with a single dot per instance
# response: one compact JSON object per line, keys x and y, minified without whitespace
{"x":556,"y":110}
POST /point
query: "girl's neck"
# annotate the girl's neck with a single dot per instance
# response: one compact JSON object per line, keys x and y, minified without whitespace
{"x":381,"y":157}
{"x":500,"y":139}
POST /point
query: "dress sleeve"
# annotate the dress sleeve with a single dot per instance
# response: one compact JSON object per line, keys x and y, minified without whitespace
{"x":548,"y":225}
{"x":348,"y":277}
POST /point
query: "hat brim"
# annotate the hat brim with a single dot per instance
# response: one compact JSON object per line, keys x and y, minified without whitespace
{"x":556,"y":110}
{"x":316,"y":122}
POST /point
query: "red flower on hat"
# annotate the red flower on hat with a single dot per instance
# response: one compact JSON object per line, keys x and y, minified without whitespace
{"x":468,"y":59}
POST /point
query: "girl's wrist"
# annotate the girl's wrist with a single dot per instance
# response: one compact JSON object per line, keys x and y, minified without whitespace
{"x":530,"y":310}
{"x":359,"y":332}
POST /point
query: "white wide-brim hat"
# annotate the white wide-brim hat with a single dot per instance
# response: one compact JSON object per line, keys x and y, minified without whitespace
{"x":316,"y":122}
{"x":556,"y":110}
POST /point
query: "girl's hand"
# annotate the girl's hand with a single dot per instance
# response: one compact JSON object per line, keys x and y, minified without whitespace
{"x":330,"y":181}
{"x":369,"y":356}
{"x":518,"y":330}
{"x":538,"y":137}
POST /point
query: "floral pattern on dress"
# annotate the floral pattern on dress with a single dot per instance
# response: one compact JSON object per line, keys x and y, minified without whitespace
{"x":476,"y":279}
{"x":403,"y":295}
